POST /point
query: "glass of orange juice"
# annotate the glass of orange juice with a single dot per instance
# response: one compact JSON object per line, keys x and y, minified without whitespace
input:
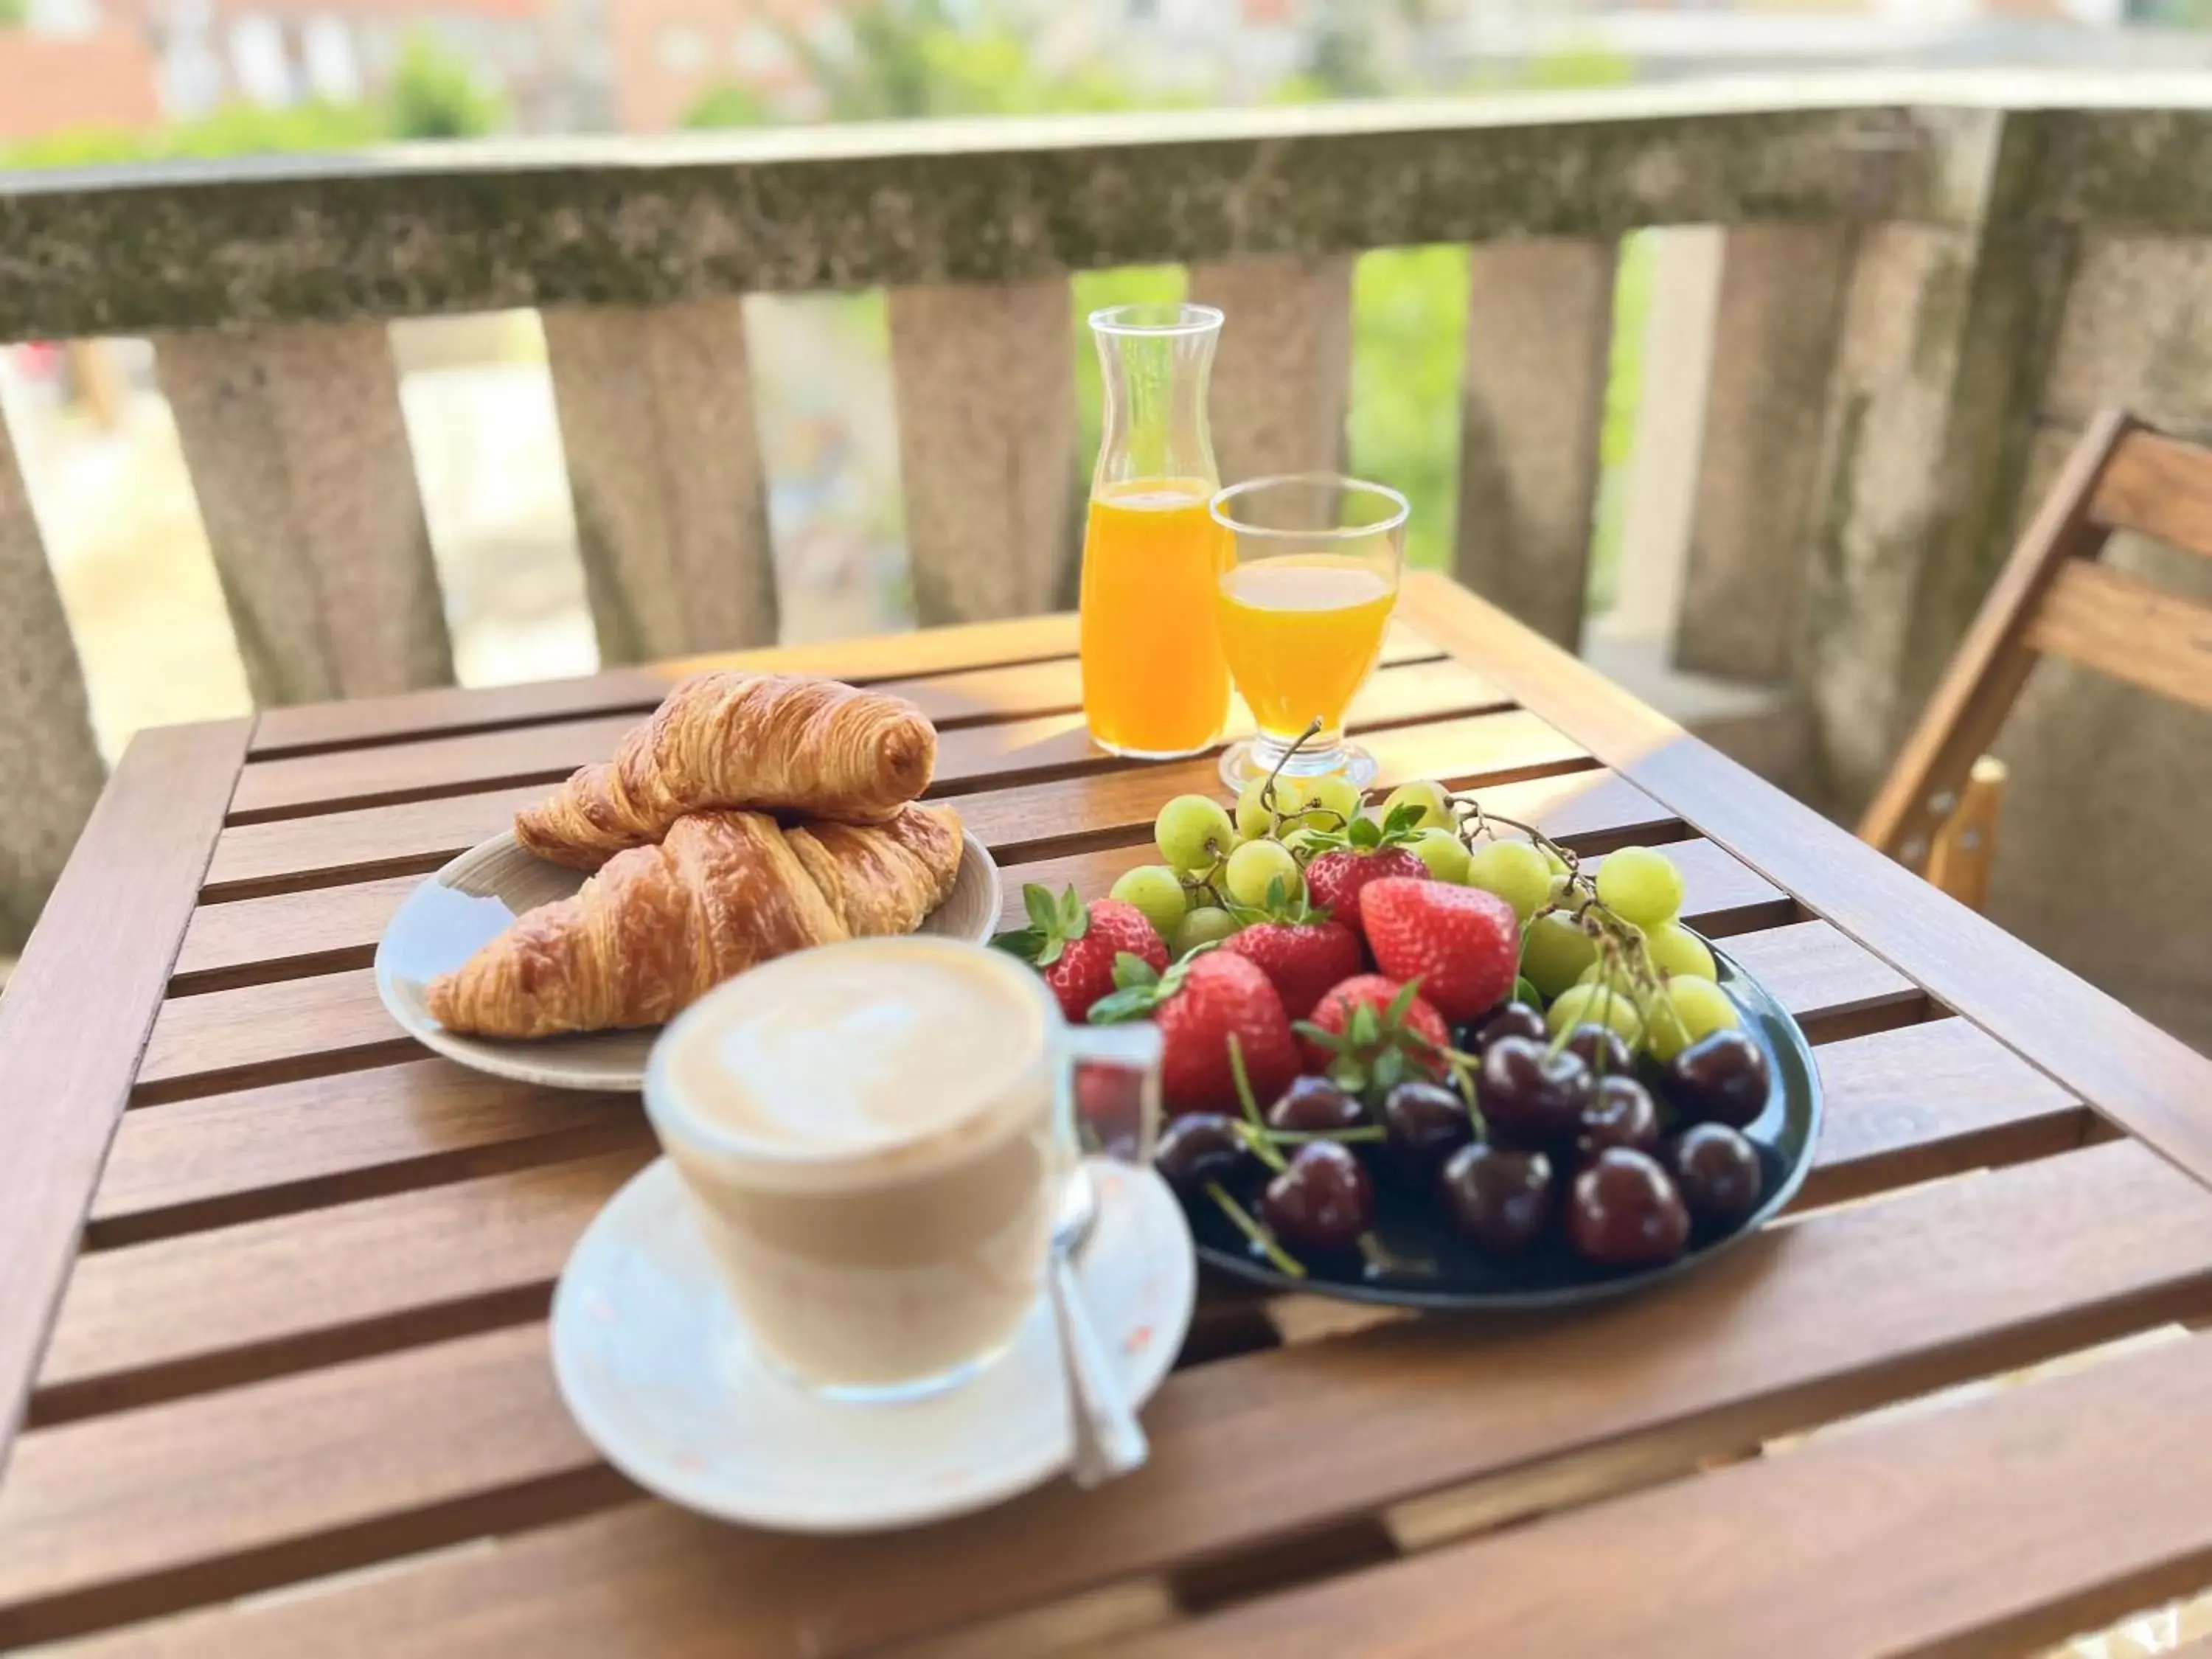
{"x":1155,"y":685}
{"x":1303,"y":602}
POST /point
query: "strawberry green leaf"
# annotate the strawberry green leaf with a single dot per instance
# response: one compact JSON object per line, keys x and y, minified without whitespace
{"x":1403,"y":818}
{"x":1117,"y":1006}
{"x":1022,"y":942}
{"x":1044,"y":916}
{"x":1395,"y":1014}
{"x":1131,"y":971}
{"x":1363,"y":835}
{"x":1362,"y":1027}
{"x":1074,"y":918}
{"x":1278,"y":894}
{"x":1388,"y":1070}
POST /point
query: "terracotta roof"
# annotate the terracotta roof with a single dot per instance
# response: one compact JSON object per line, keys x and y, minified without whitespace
{"x":49,"y":83}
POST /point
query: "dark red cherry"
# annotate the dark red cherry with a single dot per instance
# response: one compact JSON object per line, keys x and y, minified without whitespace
{"x":1625,"y":1211}
{"x":1497,"y":1200}
{"x":1423,"y":1124}
{"x":1313,"y":1105}
{"x":1619,"y":1114}
{"x":1199,"y":1148}
{"x":1530,"y":1096}
{"x":1718,"y":1174}
{"x":1321,"y":1201}
{"x":1722,"y":1078}
{"x":1509,"y":1019}
{"x":1602,"y":1049}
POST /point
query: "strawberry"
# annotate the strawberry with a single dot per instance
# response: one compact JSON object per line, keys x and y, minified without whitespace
{"x":1201,"y":1004}
{"x":1370,"y":1033}
{"x":1336,"y":878}
{"x":1362,"y":851}
{"x":1462,"y":943}
{"x":1302,"y":952}
{"x":1076,"y":947}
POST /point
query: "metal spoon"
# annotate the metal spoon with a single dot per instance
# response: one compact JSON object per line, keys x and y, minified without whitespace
{"x":1108,"y":1441}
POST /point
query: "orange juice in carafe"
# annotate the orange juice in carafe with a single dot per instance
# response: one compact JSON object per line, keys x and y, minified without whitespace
{"x":1154,"y":680}
{"x":1302,"y":633}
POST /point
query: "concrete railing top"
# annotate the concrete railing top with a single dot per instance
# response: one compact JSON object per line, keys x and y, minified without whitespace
{"x":410,"y":230}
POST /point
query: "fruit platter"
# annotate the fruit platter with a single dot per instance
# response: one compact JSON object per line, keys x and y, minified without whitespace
{"x":1420,"y":1054}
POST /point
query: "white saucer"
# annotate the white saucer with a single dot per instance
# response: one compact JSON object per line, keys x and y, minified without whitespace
{"x":659,"y":1373}
{"x":478,"y":896}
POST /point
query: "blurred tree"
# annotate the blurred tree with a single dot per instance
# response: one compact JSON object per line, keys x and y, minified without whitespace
{"x":729,"y":106}
{"x":1341,"y":60}
{"x":436,"y":95}
{"x":13,"y":12}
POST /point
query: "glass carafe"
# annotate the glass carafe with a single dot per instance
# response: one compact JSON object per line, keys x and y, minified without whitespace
{"x":1155,"y":684}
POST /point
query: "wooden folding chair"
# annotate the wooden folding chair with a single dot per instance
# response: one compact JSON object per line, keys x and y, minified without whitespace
{"x":1936,"y":809}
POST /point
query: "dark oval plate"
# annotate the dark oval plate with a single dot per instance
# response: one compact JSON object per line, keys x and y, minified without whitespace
{"x":1433,"y":1268}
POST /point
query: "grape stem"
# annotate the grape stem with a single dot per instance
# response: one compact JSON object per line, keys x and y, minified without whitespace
{"x":1262,"y":1239}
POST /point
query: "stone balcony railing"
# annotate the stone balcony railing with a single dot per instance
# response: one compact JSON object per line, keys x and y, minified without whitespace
{"x":1922,"y":287}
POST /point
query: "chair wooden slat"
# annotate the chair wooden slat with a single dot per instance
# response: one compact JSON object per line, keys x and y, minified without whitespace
{"x":1996,"y":1528}
{"x":298,"y":456}
{"x":1991,"y":664}
{"x":46,"y":748}
{"x":2160,"y":487}
{"x":209,"y":1496}
{"x":656,"y":411}
{"x":2132,"y":630}
{"x":983,"y":375}
{"x":1539,"y":333}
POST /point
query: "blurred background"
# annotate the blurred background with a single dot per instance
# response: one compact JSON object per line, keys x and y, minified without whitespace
{"x":84,"y":82}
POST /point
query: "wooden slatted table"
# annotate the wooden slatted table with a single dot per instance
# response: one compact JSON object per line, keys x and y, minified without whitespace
{"x":273,"y":1281}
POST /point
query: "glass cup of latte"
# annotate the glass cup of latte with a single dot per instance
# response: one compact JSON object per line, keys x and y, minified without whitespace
{"x":875,"y":1138}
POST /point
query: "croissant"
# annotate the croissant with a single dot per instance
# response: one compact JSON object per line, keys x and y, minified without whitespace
{"x":659,"y":926}
{"x":725,"y":739}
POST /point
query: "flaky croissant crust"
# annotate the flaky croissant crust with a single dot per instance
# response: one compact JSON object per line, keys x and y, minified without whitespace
{"x":726,"y":740}
{"x":660,"y":926}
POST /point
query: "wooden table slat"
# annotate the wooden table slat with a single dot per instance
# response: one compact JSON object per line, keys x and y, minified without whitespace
{"x":894,"y":660}
{"x":1833,"y":1314}
{"x":1098,"y":807}
{"x":1993,"y":1528}
{"x":2150,"y":1084}
{"x":79,"y":1006}
{"x":262,"y":1034}
{"x":1032,"y":725}
{"x":185,"y":1313}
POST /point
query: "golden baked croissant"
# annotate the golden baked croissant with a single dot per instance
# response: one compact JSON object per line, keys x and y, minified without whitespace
{"x":724,"y":739}
{"x":659,"y":926}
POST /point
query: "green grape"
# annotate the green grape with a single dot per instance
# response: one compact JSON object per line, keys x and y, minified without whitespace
{"x":1640,"y":886}
{"x":1153,"y":889}
{"x":1325,"y":802}
{"x":1595,"y":1005}
{"x":1193,"y":832}
{"x":1205,"y":926}
{"x":1675,"y":950}
{"x":1695,"y":1008}
{"x":1515,"y":872}
{"x":1252,"y":818}
{"x":1552,"y":861}
{"x":1435,"y":805}
{"x":1553,"y":950}
{"x":1256,"y":863}
{"x":1444,"y":854}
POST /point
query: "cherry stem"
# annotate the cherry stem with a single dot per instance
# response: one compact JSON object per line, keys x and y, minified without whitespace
{"x":1262,"y":1239}
{"x":1258,"y":1138}
{"x":1364,"y":1133}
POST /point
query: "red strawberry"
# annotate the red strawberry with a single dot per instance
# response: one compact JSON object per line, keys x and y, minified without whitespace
{"x":1462,"y":943}
{"x":1300,"y":959}
{"x":1199,"y":1004}
{"x":1369,"y":1034}
{"x":1335,"y":879}
{"x":1075,"y":947}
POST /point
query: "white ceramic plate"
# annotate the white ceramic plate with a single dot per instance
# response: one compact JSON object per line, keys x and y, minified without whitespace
{"x":658,"y":1369}
{"x":472,"y":900}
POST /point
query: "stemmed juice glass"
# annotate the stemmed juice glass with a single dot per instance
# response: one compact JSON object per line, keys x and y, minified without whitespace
{"x":1302,"y":604}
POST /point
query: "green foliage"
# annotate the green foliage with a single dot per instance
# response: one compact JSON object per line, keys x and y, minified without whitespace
{"x":729,"y":106}
{"x":13,"y":12}
{"x":434,"y":94}
{"x":234,"y":129}
{"x":1408,"y":341}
